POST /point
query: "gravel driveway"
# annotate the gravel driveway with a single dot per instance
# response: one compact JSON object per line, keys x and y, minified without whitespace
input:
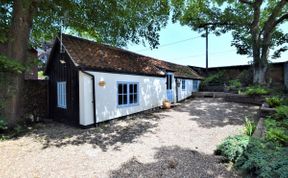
{"x":162,"y":143}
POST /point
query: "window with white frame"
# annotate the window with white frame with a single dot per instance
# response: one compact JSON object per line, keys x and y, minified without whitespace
{"x":127,"y":93}
{"x":61,"y":95}
{"x":183,"y":84}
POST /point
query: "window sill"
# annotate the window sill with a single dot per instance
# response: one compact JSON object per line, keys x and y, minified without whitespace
{"x":127,"y":105}
{"x":61,"y":107}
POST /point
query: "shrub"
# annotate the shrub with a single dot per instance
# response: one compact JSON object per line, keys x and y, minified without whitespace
{"x":270,"y":122}
{"x":273,"y":101}
{"x":265,"y":160}
{"x":234,"y":85}
{"x":282,"y":112}
{"x":249,"y":127}
{"x":233,"y":147}
{"x":278,"y":134}
{"x":277,"y":130}
{"x":214,"y":78}
{"x":256,"y":91}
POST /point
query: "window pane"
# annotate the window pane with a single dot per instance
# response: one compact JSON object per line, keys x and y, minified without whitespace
{"x":131,"y":88}
{"x":183,"y":84}
{"x":135,"y":88}
{"x":135,"y":98}
{"x":125,"y":88}
{"x":131,"y":99}
{"x":125,"y":99}
{"x":120,"y":100}
{"x":120,"y":89}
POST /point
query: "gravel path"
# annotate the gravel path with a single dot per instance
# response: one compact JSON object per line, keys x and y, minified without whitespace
{"x":171,"y":143}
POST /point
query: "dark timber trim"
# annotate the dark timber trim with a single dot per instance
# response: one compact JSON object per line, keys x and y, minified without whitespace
{"x":62,"y":68}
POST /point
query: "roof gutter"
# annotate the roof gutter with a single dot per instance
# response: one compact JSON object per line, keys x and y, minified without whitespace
{"x":93,"y":93}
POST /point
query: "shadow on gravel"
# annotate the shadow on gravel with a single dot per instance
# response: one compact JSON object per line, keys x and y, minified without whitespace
{"x":175,"y":162}
{"x":108,"y":134}
{"x":213,"y":112}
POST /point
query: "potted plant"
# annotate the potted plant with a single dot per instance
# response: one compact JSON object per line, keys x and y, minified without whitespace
{"x":166,"y":104}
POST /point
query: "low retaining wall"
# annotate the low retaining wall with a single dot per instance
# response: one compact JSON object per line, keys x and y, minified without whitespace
{"x":266,"y":111}
{"x":260,"y":129}
{"x":245,"y":99}
{"x":231,"y":97}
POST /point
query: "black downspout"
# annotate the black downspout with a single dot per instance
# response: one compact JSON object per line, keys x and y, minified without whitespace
{"x":93,"y":93}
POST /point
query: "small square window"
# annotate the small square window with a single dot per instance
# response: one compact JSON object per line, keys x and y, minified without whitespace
{"x":127,"y":93}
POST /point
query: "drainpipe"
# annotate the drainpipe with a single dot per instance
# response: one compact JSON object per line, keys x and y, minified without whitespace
{"x":93,"y":93}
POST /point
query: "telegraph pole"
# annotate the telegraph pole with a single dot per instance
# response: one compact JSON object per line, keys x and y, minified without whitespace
{"x":206,"y":48}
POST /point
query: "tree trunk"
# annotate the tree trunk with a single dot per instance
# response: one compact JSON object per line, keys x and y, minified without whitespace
{"x":17,"y":50}
{"x":259,"y":75}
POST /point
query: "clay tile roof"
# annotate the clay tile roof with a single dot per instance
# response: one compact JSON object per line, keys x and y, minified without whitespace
{"x":91,"y":55}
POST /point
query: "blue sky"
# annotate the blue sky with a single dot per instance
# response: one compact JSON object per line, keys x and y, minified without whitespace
{"x":192,"y":51}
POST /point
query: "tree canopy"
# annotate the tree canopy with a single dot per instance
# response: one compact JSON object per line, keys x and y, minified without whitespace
{"x":115,"y":22}
{"x":110,"y":21}
{"x":254,"y":25}
{"x":221,"y":16}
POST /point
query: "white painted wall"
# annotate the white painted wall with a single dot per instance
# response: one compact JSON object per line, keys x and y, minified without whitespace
{"x":152,"y":93}
{"x":85,"y":99}
{"x":183,"y":94}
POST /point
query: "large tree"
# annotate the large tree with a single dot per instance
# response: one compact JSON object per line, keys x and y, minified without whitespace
{"x":116,"y":22}
{"x":254,"y":25}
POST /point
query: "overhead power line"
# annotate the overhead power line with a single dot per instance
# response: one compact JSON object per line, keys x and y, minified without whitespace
{"x":202,"y":54}
{"x":172,"y":43}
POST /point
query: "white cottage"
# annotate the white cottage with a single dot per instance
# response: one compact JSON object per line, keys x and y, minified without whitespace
{"x":91,"y":83}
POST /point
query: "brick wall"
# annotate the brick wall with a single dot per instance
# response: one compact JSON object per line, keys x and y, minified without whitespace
{"x":36,"y":98}
{"x":278,"y":72}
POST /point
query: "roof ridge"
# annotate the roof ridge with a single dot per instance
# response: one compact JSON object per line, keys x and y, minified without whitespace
{"x":119,"y":49}
{"x":137,"y":62}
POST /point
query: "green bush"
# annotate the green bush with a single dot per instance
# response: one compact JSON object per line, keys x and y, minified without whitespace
{"x":256,"y":91}
{"x":249,"y":127}
{"x":214,"y":78}
{"x":273,"y":101}
{"x":233,"y":147}
{"x":278,"y":134}
{"x":270,"y":122}
{"x":261,"y":159}
{"x":234,"y":85}
{"x":277,"y":130}
{"x":282,"y":112}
